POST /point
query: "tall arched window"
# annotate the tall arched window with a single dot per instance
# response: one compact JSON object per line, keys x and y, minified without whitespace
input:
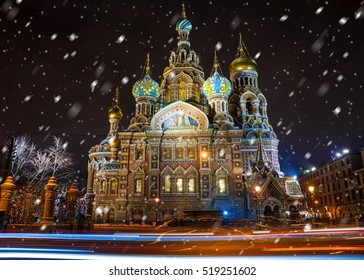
{"x":191,"y":185}
{"x":138,"y":186}
{"x":179,"y":184}
{"x":167,"y":183}
{"x":182,"y":91}
{"x":113,"y":187}
{"x":103,"y":187}
{"x":222,"y":186}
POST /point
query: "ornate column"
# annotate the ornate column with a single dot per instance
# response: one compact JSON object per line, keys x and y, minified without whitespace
{"x":48,"y":212}
{"x":73,"y":193}
{"x":6,"y":191}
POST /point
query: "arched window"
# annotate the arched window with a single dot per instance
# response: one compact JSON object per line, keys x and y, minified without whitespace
{"x":103,"y":187}
{"x":179,"y":184}
{"x":182,"y":91}
{"x":191,"y":185}
{"x":167,"y":183}
{"x":222,"y":189}
{"x":138,"y":186}
{"x":94,"y":181}
{"x":113,"y":187}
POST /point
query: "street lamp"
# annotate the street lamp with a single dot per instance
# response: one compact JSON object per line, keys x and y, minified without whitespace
{"x":245,"y":197}
{"x":156,"y":210}
{"x":257,"y":188}
{"x":312,"y":191}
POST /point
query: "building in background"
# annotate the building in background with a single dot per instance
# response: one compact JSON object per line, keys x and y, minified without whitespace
{"x":195,"y":145}
{"x":336,"y":189}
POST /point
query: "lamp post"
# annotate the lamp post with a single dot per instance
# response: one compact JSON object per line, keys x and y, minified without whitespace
{"x":256,"y":201}
{"x":245,"y":196}
{"x":312,"y":192}
{"x":156,"y":210}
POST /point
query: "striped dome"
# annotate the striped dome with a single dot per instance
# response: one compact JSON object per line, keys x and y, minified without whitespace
{"x":183,"y":24}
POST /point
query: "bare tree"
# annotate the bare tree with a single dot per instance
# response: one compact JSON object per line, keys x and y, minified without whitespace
{"x":25,"y":151}
{"x":34,"y":166}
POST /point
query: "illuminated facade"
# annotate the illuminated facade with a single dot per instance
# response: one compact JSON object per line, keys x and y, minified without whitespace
{"x":190,"y":145}
{"x":338,"y":187}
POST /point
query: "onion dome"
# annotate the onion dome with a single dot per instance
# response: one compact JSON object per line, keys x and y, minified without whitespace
{"x":243,"y":61}
{"x":184,"y":24}
{"x":146,"y":86}
{"x":115,"y":112}
{"x":114,"y":141}
{"x":217,"y":83}
{"x":104,"y":145}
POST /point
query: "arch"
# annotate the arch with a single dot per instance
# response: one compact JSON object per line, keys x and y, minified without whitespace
{"x":181,"y":108}
{"x":182,"y":77}
{"x":272,"y":202}
{"x":222,"y":181}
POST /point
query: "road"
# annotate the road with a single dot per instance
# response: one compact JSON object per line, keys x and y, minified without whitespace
{"x":190,"y":242}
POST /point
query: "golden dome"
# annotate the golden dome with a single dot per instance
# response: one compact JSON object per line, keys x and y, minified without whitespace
{"x":243,"y":63}
{"x":115,"y":113}
{"x":114,"y":142}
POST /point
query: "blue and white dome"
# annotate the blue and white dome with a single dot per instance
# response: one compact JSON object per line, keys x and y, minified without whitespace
{"x":183,"y":25}
{"x":216,"y":84}
{"x":146,"y":87}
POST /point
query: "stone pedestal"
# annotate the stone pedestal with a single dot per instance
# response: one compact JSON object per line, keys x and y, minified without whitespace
{"x":6,"y":191}
{"x":50,"y":195}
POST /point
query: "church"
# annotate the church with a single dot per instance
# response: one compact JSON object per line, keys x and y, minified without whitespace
{"x":197,"y":145}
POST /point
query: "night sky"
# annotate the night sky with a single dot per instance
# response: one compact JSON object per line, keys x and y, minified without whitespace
{"x":60,"y":62}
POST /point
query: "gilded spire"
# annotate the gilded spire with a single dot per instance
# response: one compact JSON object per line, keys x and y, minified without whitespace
{"x":116,"y":98}
{"x":183,"y":10}
{"x":147,"y":65}
{"x":241,"y":51}
{"x":115,"y":112}
{"x":216,"y":62}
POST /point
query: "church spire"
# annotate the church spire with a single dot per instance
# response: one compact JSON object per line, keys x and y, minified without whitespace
{"x":183,"y":10}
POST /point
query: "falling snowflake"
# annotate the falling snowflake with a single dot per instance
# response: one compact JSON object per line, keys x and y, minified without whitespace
{"x":120,"y":39}
{"x":319,"y":10}
{"x":283,"y":18}
{"x":72,"y":37}
{"x":125,"y":80}
{"x":93,"y":85}
{"x":257,"y":55}
{"x":323,"y":89}
{"x":27,"y":98}
{"x":54,"y":36}
{"x":307,"y":155}
{"x":74,"y":110}
{"x":218,"y":46}
{"x":343,"y":20}
{"x":337,"y":110}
